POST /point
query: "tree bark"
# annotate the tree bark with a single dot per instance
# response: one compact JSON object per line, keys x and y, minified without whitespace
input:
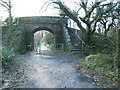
{"x":117,"y":56}
{"x":118,"y":48}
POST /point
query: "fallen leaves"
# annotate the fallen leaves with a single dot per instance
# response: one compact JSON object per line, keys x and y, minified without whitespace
{"x":99,"y":78}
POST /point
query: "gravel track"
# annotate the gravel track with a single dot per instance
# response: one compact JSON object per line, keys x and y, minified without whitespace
{"x":51,"y":69}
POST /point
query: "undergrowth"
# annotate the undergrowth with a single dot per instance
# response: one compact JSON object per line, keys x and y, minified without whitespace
{"x":102,"y":63}
{"x":7,"y":56}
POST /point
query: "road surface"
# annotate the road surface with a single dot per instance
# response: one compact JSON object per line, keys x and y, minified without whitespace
{"x":50,"y":69}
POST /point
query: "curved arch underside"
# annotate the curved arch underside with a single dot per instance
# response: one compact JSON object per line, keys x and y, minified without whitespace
{"x":43,"y":28}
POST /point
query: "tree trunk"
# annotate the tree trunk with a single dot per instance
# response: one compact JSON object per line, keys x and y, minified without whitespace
{"x":106,"y":31}
{"x":117,"y":57}
{"x":118,"y":52}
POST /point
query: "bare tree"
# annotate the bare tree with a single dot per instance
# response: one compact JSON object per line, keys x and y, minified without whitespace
{"x":93,"y":15}
{"x":109,"y":18}
{"x":8,"y":6}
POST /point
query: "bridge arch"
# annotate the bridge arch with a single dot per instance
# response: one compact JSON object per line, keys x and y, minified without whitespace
{"x":34,"y":24}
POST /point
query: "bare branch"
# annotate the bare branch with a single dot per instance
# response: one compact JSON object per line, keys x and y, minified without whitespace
{"x":110,"y":9}
{"x":70,"y":14}
{"x":47,"y":7}
{"x":94,"y":27}
{"x":57,"y":8}
{"x":91,"y":10}
{"x":110,"y":24}
{"x":5,"y":3}
{"x":83,"y":5}
{"x":86,"y":22}
{"x":4,"y":6}
{"x":79,"y":9}
{"x":44,"y":5}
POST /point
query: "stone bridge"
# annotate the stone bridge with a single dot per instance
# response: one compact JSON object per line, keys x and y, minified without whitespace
{"x":30,"y":25}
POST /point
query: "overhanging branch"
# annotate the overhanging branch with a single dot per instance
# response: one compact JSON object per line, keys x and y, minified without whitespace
{"x":70,"y":14}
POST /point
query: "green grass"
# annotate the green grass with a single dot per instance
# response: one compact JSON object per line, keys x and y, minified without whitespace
{"x":102,"y":63}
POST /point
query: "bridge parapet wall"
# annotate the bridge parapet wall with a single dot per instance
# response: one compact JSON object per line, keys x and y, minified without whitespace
{"x":42,"y":19}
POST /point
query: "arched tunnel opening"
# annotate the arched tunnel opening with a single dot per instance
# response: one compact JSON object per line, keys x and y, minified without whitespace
{"x":43,"y":36}
{"x":43,"y":40}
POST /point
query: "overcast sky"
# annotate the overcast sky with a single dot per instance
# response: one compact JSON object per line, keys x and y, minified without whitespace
{"x":25,"y":8}
{"x":22,"y":8}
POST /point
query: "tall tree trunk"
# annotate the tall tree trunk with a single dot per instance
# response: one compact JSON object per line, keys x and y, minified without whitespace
{"x":118,"y":47}
{"x":118,"y":54}
{"x":10,"y":16}
{"x":117,"y":57}
{"x":106,"y":31}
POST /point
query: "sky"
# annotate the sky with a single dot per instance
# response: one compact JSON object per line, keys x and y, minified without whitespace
{"x":32,"y":8}
{"x":23,"y":8}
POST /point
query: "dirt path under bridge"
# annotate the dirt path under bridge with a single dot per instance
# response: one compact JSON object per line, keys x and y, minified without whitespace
{"x":50,"y":69}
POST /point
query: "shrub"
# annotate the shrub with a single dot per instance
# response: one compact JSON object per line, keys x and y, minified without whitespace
{"x":95,"y":60}
{"x":101,"y":44}
{"x":100,"y":62}
{"x":6,"y":55}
